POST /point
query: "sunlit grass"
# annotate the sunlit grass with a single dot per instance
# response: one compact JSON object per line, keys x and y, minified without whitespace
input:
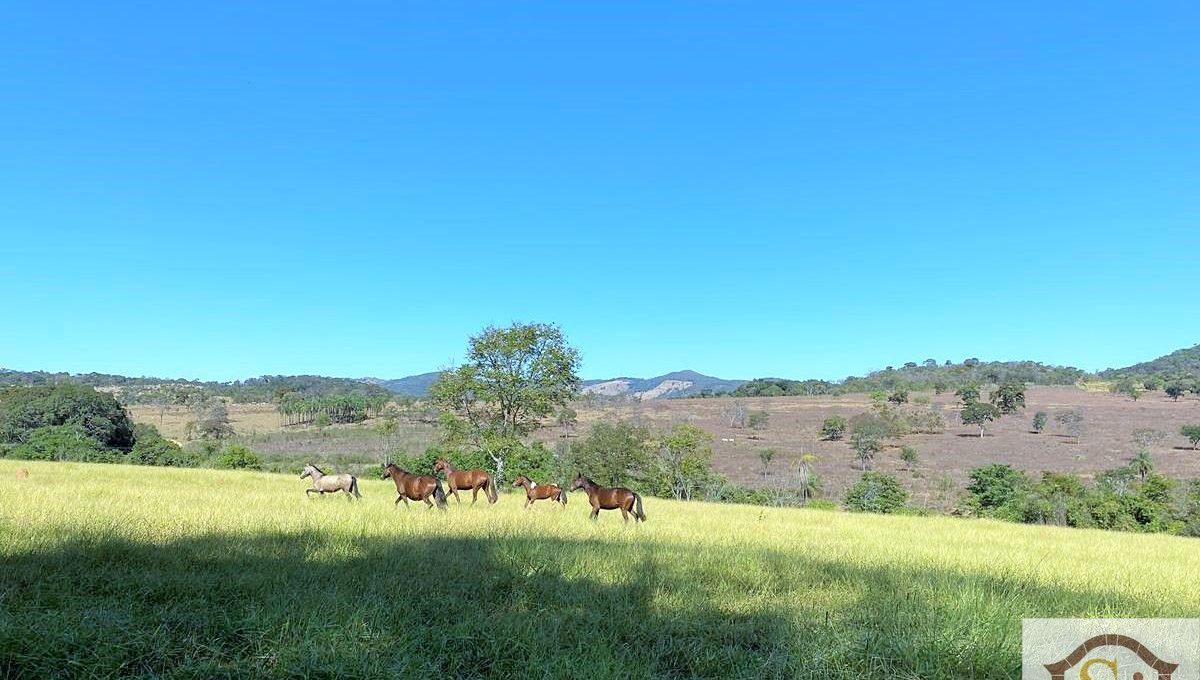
{"x":112,"y":570}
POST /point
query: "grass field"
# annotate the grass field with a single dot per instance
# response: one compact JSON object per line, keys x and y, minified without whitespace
{"x":110,"y":571}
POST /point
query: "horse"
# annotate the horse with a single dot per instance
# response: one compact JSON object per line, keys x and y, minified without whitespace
{"x":415,"y":487}
{"x":467,"y":479}
{"x":537,"y":492}
{"x":604,"y":498}
{"x":323,"y":483}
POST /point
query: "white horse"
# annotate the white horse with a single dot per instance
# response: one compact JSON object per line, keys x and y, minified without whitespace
{"x":323,"y":483}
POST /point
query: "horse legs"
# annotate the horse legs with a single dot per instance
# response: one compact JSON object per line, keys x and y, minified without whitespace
{"x":308,"y":492}
{"x":528,"y":501}
{"x":398,"y":499}
{"x":454,"y":490}
{"x":595,"y":511}
{"x":625,"y":514}
{"x":428,"y":503}
{"x":474,"y":494}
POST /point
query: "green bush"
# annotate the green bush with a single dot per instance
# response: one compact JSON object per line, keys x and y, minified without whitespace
{"x":876,"y":492}
{"x":238,"y":457}
{"x":97,"y":415}
{"x":64,"y":443}
{"x":1039,"y":421}
{"x":152,"y":449}
{"x":834,"y":428}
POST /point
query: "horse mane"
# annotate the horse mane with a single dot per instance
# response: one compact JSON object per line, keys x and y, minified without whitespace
{"x":316,"y":468}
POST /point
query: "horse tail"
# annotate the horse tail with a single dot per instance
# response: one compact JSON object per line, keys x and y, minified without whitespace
{"x":438,"y":494}
{"x":639,"y":513}
{"x":354,"y":486}
{"x":562,"y":495}
{"x":493,"y":495}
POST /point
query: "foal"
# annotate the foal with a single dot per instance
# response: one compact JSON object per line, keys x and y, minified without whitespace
{"x":536,"y":492}
{"x":605,"y":498}
{"x":323,"y":483}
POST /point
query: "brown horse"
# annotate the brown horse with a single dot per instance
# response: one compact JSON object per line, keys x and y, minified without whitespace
{"x":538,"y":492}
{"x":616,"y":498}
{"x":415,"y":487}
{"x":467,"y":479}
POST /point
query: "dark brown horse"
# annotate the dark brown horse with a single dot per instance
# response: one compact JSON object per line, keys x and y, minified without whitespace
{"x":415,"y":487}
{"x":467,"y":479}
{"x":616,"y":498}
{"x":538,"y":492}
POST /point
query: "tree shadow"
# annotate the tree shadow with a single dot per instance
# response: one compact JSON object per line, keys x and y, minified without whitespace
{"x":317,"y":605}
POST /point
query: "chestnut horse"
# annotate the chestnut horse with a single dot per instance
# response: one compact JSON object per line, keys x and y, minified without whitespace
{"x":415,"y":487}
{"x":538,"y":492}
{"x":616,"y":498}
{"x":467,"y":479}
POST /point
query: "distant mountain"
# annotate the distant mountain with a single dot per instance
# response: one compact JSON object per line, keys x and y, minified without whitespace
{"x":671,"y":385}
{"x":1178,"y":363}
{"x":411,"y":386}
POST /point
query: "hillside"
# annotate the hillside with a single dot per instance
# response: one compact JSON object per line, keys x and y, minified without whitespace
{"x":237,"y":573}
{"x":1182,"y":362}
{"x":410,"y":386}
{"x":670,"y":385}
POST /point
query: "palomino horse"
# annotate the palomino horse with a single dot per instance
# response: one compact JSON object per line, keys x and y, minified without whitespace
{"x":467,"y":479}
{"x":537,"y":492}
{"x":604,"y":498}
{"x":323,"y":483}
{"x":415,"y":487}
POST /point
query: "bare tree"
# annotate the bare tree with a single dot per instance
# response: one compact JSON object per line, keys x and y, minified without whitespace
{"x":736,"y":414}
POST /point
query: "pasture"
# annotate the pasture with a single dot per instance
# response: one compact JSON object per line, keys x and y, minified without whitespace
{"x":110,"y":571}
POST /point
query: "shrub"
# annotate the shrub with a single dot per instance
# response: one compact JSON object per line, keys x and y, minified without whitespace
{"x":152,"y":449}
{"x":64,"y":442}
{"x":238,"y":457}
{"x":997,"y":490}
{"x":876,"y":492}
{"x":898,"y":397}
{"x":909,"y":455}
{"x":833,"y":428}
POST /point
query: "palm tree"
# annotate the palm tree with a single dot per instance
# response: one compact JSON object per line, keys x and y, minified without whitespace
{"x":1142,"y":464}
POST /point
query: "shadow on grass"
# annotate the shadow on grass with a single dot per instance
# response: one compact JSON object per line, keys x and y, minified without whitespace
{"x":318,"y":606}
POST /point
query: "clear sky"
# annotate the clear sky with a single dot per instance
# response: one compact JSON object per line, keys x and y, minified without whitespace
{"x":223,"y":190}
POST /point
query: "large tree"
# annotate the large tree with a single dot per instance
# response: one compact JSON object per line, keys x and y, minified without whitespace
{"x":512,"y":379}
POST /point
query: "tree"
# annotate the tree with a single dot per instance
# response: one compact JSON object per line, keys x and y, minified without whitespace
{"x":211,"y":420}
{"x":758,"y":420}
{"x":1072,"y":420}
{"x":968,"y":393}
{"x":1192,"y":432}
{"x":1009,"y":397}
{"x":238,"y":457}
{"x":1142,"y":464}
{"x":684,"y":458}
{"x":765,"y":457}
{"x":512,"y":379}
{"x":898,"y":396}
{"x":909,"y":455}
{"x":97,"y":415}
{"x":876,"y":492}
{"x":736,"y":414}
{"x":1147,"y":437}
{"x":567,"y":419}
{"x":1039,"y":422}
{"x":1175,"y":390}
{"x":867,"y":439}
{"x":975,"y":413}
{"x":833,"y":428}
{"x":613,"y":454}
{"x":940,"y":386}
{"x":810,"y":483}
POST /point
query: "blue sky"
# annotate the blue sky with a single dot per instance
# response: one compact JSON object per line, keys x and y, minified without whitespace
{"x":744,"y":189}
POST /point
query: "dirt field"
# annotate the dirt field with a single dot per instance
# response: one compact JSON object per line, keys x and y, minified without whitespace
{"x":944,"y":459}
{"x":936,"y":479}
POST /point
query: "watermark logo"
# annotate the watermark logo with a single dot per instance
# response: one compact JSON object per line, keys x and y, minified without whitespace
{"x":1110,"y":649}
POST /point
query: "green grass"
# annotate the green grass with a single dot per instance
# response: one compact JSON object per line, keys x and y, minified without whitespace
{"x":110,"y":571}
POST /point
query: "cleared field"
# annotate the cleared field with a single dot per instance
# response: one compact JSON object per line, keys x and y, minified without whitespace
{"x":122,"y":571}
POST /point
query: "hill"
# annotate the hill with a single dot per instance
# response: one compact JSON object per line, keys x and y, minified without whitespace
{"x":1180,"y":363}
{"x":237,"y":574}
{"x":410,"y":386}
{"x":668,"y":386}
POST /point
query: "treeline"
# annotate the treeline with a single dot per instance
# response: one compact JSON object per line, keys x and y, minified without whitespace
{"x":172,"y":392}
{"x":65,"y":421}
{"x":1129,"y":498}
{"x":1180,"y":365}
{"x":928,"y":375}
{"x":298,"y":409}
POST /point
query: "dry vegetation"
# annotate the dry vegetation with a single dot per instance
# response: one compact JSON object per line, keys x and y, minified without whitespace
{"x":944,"y":459}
